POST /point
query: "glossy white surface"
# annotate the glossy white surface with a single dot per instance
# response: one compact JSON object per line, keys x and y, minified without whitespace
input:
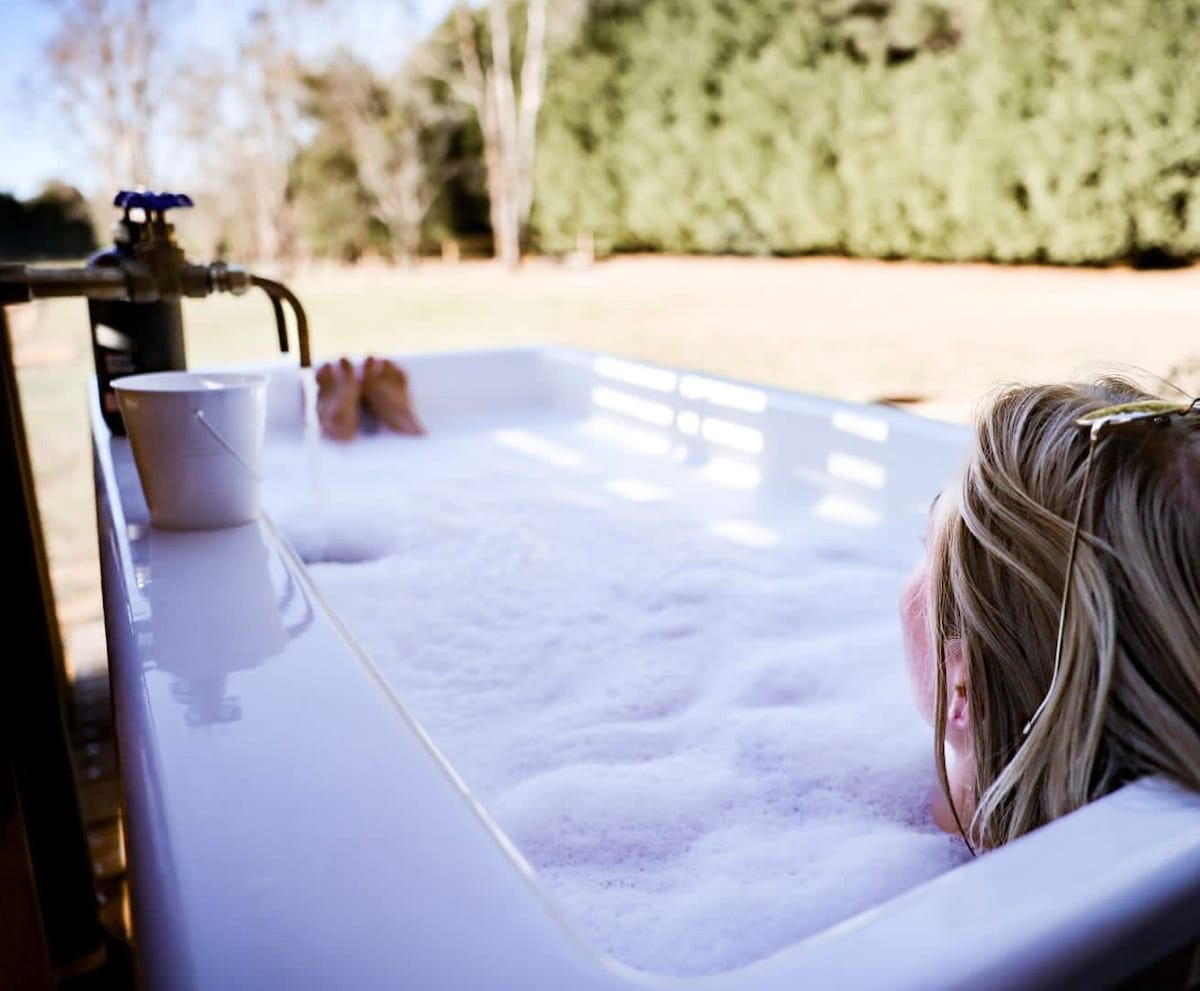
{"x":288,"y":825}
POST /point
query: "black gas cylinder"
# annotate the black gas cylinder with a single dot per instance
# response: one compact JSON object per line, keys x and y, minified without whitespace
{"x":128,"y":338}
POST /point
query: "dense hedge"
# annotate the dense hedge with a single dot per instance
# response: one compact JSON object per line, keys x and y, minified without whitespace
{"x":1010,"y":130}
{"x":54,"y":224}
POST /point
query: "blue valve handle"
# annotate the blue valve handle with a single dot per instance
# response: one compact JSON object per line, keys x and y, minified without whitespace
{"x":131,"y":199}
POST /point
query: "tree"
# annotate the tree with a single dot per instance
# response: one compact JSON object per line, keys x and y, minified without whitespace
{"x":1009,"y":131}
{"x":509,"y":127}
{"x":267,"y":88}
{"x":398,"y":137}
{"x":54,"y":224}
{"x":242,"y":116}
{"x":107,"y":66}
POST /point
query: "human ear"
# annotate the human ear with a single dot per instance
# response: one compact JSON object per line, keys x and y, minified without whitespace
{"x":958,"y":710}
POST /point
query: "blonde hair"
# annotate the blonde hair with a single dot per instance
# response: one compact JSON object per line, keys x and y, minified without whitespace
{"x":1127,"y":701}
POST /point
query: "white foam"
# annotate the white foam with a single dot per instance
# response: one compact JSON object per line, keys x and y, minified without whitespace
{"x":704,"y":745}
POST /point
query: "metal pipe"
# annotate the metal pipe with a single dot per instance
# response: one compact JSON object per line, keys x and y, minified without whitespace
{"x":22,"y":283}
{"x":279,"y":290}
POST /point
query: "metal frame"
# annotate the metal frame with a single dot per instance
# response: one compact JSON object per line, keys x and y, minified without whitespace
{"x":34,"y":739}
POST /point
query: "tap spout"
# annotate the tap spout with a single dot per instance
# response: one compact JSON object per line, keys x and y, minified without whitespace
{"x":279,"y":293}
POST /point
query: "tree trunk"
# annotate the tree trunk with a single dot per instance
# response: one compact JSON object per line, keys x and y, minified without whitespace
{"x":509,"y":131}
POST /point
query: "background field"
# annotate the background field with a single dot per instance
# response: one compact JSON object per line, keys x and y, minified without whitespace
{"x":856,"y":330}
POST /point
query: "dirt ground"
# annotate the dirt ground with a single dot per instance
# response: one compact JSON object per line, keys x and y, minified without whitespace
{"x":941,"y":334}
{"x":938,"y":336}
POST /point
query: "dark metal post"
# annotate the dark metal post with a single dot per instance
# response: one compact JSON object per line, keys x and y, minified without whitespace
{"x":33,"y":730}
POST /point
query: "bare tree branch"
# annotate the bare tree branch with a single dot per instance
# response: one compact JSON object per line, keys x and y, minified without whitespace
{"x":472,"y":65}
{"x":268,"y":86}
{"x":106,"y":64}
{"x":387,"y":153}
{"x":509,"y":132}
{"x":533,"y":85}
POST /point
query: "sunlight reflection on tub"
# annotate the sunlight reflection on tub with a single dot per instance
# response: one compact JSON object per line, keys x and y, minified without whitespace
{"x":731,"y":474}
{"x":614,"y":431}
{"x":746,"y":532}
{"x":657,"y":413}
{"x":637,"y":490}
{"x":539,"y":447}
{"x":739,"y":397}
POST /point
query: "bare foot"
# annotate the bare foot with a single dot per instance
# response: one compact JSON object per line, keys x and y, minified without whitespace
{"x":337,"y":400}
{"x":385,"y":393}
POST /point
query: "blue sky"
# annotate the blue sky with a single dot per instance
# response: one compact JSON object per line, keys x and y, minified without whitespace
{"x":34,"y":147}
{"x":27,"y":152}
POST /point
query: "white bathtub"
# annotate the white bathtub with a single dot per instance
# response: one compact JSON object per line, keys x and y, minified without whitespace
{"x":303,"y":832}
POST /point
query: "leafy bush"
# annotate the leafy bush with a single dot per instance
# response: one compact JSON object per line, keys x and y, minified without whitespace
{"x":54,"y":224}
{"x":1012,"y":130}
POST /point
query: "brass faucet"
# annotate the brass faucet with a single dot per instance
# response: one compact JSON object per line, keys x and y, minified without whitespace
{"x":148,"y":266}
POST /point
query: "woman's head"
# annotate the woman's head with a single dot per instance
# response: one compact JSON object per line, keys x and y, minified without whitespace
{"x":1127,"y":699}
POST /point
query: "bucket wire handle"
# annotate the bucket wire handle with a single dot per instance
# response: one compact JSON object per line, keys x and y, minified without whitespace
{"x":199,"y":415}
